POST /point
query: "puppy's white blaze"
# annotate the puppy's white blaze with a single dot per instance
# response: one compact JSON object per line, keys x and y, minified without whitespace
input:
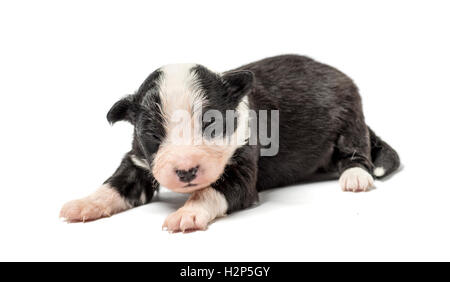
{"x":178,"y":92}
{"x":140,"y":162}
{"x":355,"y":179}
{"x":379,"y":171}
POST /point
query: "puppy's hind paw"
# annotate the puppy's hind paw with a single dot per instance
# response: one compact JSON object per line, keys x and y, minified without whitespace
{"x":355,"y":179}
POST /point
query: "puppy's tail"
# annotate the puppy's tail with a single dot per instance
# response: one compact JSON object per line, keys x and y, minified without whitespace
{"x":384,"y":158}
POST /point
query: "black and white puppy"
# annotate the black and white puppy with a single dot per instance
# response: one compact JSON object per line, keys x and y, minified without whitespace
{"x":312,"y":109}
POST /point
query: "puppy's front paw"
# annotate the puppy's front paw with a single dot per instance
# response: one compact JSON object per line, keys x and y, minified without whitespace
{"x":186,"y":220}
{"x":83,"y":210}
{"x":355,"y":179}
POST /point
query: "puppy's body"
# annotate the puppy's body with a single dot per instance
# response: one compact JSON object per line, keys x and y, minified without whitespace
{"x":322,"y":126}
{"x":321,"y":132}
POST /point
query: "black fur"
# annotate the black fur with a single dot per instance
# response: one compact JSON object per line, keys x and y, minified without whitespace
{"x":143,"y":112}
{"x":383,"y":155}
{"x":223,"y":93}
{"x":238,"y":182}
{"x":322,"y":128}
{"x":131,"y":181}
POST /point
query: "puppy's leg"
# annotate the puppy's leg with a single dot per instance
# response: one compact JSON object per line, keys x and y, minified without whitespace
{"x":235,"y":190}
{"x":106,"y":201}
{"x":128,"y":187}
{"x":201,"y":208}
{"x":354,"y":162}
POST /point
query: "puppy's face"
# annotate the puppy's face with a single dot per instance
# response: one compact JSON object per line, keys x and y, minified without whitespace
{"x":188,"y":123}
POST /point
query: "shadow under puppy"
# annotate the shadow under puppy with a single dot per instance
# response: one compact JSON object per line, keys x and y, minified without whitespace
{"x":313,"y":109}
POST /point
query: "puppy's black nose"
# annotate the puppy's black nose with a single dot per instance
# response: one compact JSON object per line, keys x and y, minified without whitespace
{"x":187,"y":175}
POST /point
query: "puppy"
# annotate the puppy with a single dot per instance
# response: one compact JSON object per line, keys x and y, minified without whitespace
{"x":288,"y":119}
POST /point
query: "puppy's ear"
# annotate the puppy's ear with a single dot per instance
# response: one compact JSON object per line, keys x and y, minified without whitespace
{"x":123,"y":109}
{"x":238,"y":83}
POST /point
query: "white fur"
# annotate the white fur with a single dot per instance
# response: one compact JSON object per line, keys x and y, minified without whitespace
{"x":140,"y":162}
{"x":379,"y":171}
{"x":106,"y":201}
{"x":143,"y":198}
{"x":178,"y":92}
{"x":201,"y":208}
{"x":355,"y":179}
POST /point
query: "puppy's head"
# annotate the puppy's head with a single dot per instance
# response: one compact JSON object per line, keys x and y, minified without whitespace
{"x":188,"y":122}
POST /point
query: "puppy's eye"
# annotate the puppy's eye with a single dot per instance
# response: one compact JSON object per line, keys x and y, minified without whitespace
{"x":149,"y":141}
{"x":209,"y":128}
{"x":150,"y":146}
{"x":152,"y":136}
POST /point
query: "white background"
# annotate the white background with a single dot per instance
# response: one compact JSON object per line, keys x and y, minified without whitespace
{"x":64,"y":63}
